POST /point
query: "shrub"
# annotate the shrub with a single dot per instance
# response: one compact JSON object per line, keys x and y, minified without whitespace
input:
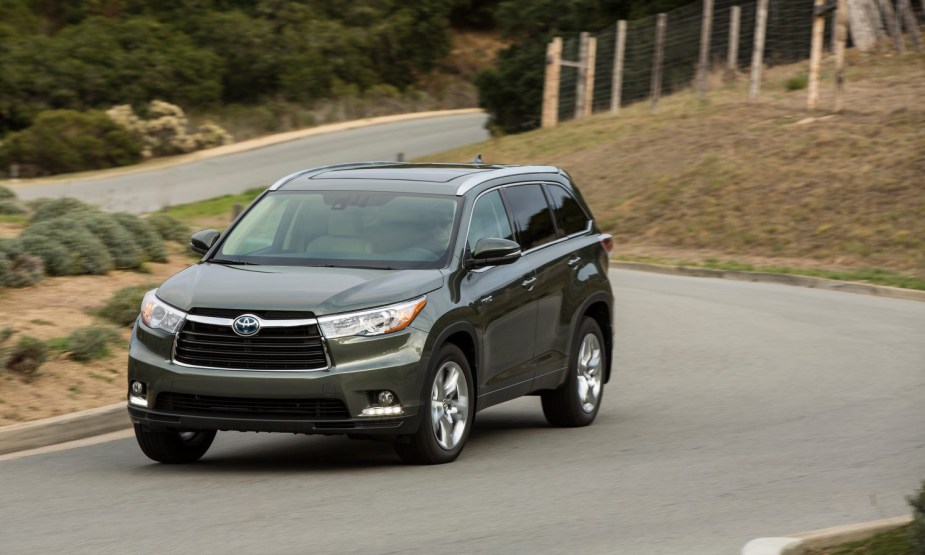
{"x":61,"y":141}
{"x":170,"y":228}
{"x":145,"y":235}
{"x":6,"y":194}
{"x":123,"y":307}
{"x":27,"y":356}
{"x":25,"y":270}
{"x":91,"y":343}
{"x":125,"y":252}
{"x":66,"y":206}
{"x":11,"y":207}
{"x":5,"y":334}
{"x":917,"y":528}
{"x":66,"y":247}
{"x":796,"y":83}
{"x":165,"y":132}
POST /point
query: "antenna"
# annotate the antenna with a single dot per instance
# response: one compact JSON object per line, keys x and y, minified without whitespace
{"x":477,"y":159}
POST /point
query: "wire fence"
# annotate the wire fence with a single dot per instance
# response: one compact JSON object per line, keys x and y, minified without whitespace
{"x":788,"y":36}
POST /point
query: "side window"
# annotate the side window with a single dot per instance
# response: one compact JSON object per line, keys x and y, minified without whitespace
{"x":531,"y":215}
{"x":489,"y":220}
{"x":569,"y":215}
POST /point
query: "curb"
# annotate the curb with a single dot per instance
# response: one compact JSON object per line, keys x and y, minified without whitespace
{"x":784,"y":279}
{"x":799,"y":544}
{"x":67,"y":427}
{"x":233,"y":148}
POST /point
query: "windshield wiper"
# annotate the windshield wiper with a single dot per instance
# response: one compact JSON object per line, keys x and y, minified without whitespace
{"x":229,"y":261}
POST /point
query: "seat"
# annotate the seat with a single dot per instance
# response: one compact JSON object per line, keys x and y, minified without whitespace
{"x":345,"y":235}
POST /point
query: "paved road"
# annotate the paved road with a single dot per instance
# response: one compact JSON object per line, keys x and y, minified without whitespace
{"x":233,"y":173}
{"x":738,"y":410}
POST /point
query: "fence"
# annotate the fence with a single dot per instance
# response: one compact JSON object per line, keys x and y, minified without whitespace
{"x":645,"y":58}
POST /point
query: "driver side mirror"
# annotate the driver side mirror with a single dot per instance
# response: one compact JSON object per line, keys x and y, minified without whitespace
{"x":494,"y":252}
{"x":202,"y":241}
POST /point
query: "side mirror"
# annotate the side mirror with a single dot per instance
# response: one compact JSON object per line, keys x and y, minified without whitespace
{"x":202,"y":241}
{"x":494,"y":252}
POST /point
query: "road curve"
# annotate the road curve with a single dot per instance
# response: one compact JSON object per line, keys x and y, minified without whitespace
{"x":737,"y":410}
{"x":232,"y":173}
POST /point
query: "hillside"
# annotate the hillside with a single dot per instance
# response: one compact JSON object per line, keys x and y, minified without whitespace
{"x":723,"y":182}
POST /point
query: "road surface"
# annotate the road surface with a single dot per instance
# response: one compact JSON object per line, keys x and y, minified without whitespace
{"x":737,"y":410}
{"x":233,"y":173}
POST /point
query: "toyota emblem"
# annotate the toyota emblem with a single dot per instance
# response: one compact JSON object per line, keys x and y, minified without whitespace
{"x":246,"y":324}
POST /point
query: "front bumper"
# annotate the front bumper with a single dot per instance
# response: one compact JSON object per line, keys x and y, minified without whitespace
{"x":361,"y":367}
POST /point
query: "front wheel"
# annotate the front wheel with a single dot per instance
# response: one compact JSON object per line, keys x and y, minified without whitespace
{"x":447,"y":412}
{"x":576,"y":402}
{"x":173,"y":447}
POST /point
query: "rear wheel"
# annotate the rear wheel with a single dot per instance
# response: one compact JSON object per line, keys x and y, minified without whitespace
{"x":576,"y":402}
{"x":173,"y":447}
{"x":447,"y":412}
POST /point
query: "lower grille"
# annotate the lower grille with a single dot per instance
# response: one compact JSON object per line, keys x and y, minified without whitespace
{"x":254,"y":408}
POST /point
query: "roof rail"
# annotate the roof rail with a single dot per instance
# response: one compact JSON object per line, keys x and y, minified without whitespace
{"x":300,"y":173}
{"x":502,"y":172}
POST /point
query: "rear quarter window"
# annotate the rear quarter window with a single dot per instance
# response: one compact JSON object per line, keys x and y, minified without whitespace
{"x":570,"y":217}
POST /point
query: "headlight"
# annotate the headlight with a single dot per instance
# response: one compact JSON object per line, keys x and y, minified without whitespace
{"x":372,"y":322}
{"x":158,"y":314}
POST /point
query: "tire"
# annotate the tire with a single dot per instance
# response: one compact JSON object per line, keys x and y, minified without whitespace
{"x":576,"y":402}
{"x":447,"y":412}
{"x":173,"y":447}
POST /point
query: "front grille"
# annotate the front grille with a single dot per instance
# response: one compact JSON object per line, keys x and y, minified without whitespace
{"x":254,"y":408}
{"x":271,"y":348}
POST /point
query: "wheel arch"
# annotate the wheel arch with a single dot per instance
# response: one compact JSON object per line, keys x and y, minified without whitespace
{"x":598,"y":308}
{"x":463,"y":335}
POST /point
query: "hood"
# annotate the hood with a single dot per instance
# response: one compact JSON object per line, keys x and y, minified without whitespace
{"x":318,"y":290}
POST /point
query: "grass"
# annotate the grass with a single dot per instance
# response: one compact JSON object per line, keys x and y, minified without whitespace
{"x":893,"y":542}
{"x":212,"y":207}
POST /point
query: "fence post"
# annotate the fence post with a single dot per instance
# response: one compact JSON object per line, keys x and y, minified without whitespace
{"x":841,"y":36}
{"x":732,"y":57}
{"x":815,"y":54}
{"x":582,"y":81}
{"x":619,"y":55}
{"x":550,"y":116}
{"x":655,"y":90}
{"x":911,"y":24}
{"x":703,"y":65}
{"x":590,"y":70}
{"x":890,"y":20}
{"x":761,"y":23}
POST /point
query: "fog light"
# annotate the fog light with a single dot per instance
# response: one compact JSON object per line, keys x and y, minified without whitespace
{"x":386,"y":398}
{"x":394,"y":410}
{"x":138,"y":394}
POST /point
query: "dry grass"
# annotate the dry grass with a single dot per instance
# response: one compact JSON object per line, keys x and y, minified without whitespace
{"x":723,"y":178}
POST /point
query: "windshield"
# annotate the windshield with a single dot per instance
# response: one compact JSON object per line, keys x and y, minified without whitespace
{"x":343,"y":229}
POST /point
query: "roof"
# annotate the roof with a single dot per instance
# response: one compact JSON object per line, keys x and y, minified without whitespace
{"x":448,"y":179}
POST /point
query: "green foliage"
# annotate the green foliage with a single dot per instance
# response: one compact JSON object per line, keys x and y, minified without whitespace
{"x":5,"y":334}
{"x":123,"y":307}
{"x":66,"y":247}
{"x":26,"y":356}
{"x":797,"y":83}
{"x":56,"y":208}
{"x":18,"y":268}
{"x":68,"y":141}
{"x":512,"y":93}
{"x":145,"y":235}
{"x":11,"y":207}
{"x":6,"y":194}
{"x":125,"y":252}
{"x":169,"y":228}
{"x":91,"y":343}
{"x":917,"y":528}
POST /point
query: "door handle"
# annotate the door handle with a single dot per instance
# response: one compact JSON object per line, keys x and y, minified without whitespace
{"x":573,"y":262}
{"x":529,"y":283}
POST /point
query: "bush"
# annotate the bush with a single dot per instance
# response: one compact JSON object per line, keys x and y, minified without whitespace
{"x":123,"y":307}
{"x":66,"y":206}
{"x":797,"y":83}
{"x":6,"y":194}
{"x":125,"y":252}
{"x":27,"y":356}
{"x":145,"y":235}
{"x":11,"y":207}
{"x":917,"y":528}
{"x":66,"y":247}
{"x":61,"y":141}
{"x":17,"y":268}
{"x":170,"y":228}
{"x":91,"y":343}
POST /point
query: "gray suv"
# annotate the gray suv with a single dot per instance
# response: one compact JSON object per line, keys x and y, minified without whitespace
{"x":383,"y":300}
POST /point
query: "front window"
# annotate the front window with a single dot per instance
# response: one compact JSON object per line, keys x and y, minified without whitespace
{"x":344,"y":229}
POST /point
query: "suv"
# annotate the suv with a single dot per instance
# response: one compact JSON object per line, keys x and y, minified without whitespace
{"x":384,"y":300}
